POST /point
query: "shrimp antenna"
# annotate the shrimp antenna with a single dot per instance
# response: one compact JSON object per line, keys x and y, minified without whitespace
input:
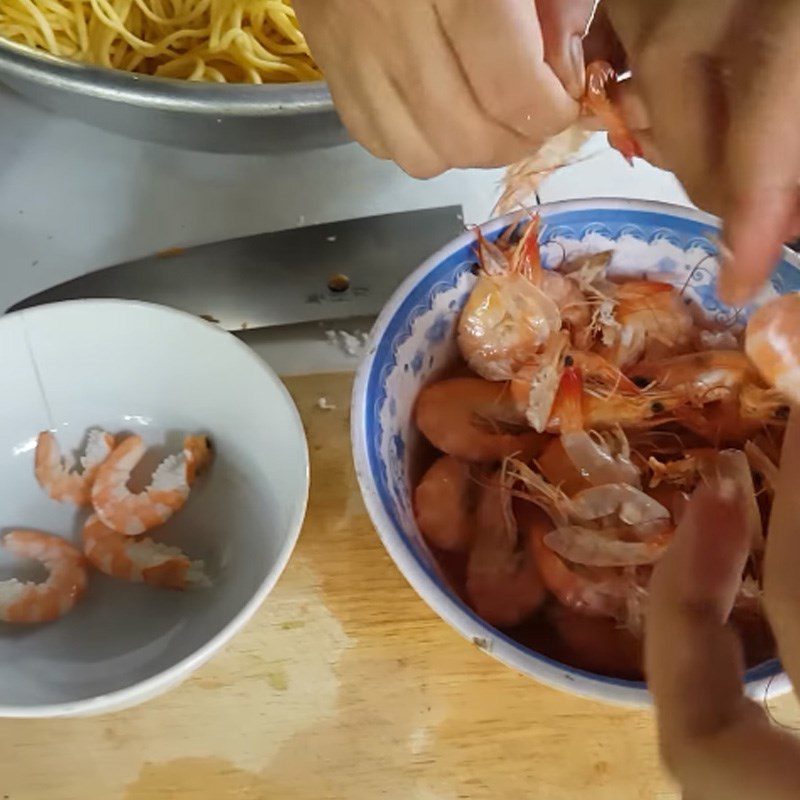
{"x":693,"y":271}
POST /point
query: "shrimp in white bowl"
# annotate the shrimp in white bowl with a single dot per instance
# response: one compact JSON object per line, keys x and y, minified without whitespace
{"x":132,"y":513}
{"x":30,"y":602}
{"x":56,"y":473}
{"x":140,"y":559}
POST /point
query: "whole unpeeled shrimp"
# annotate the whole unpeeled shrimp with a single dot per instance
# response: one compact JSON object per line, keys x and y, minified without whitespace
{"x":56,"y":473}
{"x":772,"y":341}
{"x":649,"y":320}
{"x":475,"y":420}
{"x":444,"y":503}
{"x":600,"y":592}
{"x":600,"y":459}
{"x":507,"y":318}
{"x":42,"y":602}
{"x":132,"y":514}
{"x":703,"y":377}
{"x":503,"y":584}
{"x":139,"y":559}
{"x":599,"y":75}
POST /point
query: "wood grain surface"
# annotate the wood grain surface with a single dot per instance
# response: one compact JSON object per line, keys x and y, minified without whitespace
{"x":344,"y":685}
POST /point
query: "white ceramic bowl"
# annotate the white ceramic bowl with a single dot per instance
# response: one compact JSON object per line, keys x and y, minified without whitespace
{"x":414,"y":339}
{"x":130,"y":366}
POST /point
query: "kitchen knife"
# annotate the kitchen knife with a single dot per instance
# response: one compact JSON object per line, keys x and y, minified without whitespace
{"x":320,"y":272}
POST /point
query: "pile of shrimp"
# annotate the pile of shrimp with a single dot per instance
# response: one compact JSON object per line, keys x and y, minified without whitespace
{"x":585,"y":412}
{"x":113,"y":539}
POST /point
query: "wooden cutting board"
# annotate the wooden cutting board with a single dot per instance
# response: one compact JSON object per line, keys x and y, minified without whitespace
{"x":344,"y":685}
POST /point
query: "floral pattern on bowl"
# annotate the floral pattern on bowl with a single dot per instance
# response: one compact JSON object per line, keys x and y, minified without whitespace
{"x":414,"y":340}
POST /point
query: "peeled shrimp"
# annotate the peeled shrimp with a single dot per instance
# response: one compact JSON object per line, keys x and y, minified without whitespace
{"x":42,"y":602}
{"x":444,"y":502}
{"x":507,"y":318}
{"x":503,"y":583}
{"x":772,"y":341}
{"x":133,"y":514}
{"x":56,"y":474}
{"x":139,"y":559}
{"x":599,"y":74}
{"x":475,"y":420}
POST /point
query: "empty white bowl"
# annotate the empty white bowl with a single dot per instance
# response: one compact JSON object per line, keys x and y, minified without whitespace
{"x":141,"y":368}
{"x":413,"y":341}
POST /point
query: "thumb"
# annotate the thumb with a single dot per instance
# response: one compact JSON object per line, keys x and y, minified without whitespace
{"x":563,"y":26}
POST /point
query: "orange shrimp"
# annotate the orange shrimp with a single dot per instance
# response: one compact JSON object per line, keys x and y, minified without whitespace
{"x":47,"y":601}
{"x":703,"y":377}
{"x":772,"y":341}
{"x":594,"y":592}
{"x":507,"y":318}
{"x":139,"y":559}
{"x":56,"y":475}
{"x":574,"y":412}
{"x":503,"y":584}
{"x":557,"y":468}
{"x":763,"y":404}
{"x":133,"y":514}
{"x":535,"y":386}
{"x":444,"y":502}
{"x":475,"y":420}
{"x":599,"y":74}
{"x":649,"y":320}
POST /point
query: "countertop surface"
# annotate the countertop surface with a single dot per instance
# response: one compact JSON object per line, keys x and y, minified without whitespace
{"x":345,"y":685}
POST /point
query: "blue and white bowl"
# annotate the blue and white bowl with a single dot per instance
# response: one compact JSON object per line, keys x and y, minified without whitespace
{"x":414,"y":339}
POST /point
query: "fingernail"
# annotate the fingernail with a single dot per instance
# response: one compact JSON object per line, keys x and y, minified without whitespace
{"x":577,"y":73}
{"x":726,"y":489}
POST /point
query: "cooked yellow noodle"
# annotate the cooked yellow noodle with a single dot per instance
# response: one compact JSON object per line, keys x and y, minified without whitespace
{"x":247,"y":41}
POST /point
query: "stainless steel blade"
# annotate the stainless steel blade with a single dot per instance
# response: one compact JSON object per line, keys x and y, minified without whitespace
{"x":321,"y":272}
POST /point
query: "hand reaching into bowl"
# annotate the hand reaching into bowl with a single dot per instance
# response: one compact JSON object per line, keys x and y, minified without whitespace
{"x":717,"y":743}
{"x":714,"y":98}
{"x":434,"y":84}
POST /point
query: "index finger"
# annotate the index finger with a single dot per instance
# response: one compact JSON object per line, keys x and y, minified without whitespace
{"x":763,"y":148}
{"x":715,"y":741}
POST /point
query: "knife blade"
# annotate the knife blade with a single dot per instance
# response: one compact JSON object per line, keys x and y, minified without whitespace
{"x":320,"y":272}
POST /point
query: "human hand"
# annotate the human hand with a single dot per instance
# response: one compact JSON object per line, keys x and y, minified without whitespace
{"x":716,"y":742}
{"x":714,"y":98}
{"x":434,"y":84}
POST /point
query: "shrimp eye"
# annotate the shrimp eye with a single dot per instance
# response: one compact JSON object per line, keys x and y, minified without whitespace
{"x":475,"y":269}
{"x":656,"y":407}
{"x":569,"y":361}
{"x":782,"y":412}
{"x":640,"y":381}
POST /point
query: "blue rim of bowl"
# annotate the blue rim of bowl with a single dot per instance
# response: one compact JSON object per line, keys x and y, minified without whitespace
{"x":764,"y":679}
